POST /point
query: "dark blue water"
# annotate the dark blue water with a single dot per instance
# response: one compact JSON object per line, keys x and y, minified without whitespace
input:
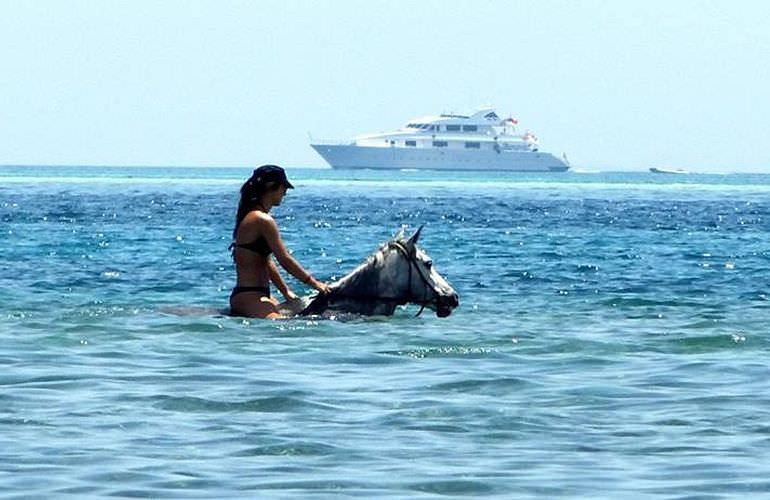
{"x":611,"y":342}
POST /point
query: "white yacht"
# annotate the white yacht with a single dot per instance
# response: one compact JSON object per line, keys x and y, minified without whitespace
{"x":480,"y":141}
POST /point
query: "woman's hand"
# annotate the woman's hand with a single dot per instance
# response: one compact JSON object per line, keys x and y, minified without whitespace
{"x":290,"y":296}
{"x":318,"y":285}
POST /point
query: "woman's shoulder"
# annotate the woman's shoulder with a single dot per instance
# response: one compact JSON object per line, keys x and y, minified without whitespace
{"x":257,"y":219}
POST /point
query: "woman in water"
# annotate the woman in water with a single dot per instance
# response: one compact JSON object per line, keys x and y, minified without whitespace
{"x":256,"y":236}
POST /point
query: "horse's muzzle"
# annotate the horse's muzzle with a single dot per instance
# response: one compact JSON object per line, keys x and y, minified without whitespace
{"x":445,"y":304}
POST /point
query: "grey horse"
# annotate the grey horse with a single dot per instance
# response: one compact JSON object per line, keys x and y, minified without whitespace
{"x":398,"y":273}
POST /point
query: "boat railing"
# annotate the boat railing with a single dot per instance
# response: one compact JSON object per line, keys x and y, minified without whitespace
{"x":332,"y":142}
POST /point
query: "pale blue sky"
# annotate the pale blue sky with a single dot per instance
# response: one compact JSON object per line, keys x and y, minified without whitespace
{"x":616,"y":85}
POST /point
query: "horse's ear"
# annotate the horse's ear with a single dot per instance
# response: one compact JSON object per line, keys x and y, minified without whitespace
{"x":399,"y":234}
{"x":416,"y":236}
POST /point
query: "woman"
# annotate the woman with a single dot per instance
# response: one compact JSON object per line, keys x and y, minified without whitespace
{"x":256,"y":236}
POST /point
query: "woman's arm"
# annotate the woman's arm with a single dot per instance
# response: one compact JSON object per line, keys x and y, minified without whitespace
{"x":269,"y":230}
{"x":276,"y":278}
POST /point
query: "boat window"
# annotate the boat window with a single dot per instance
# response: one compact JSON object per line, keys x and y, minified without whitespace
{"x":452,"y":128}
{"x":469,"y":128}
{"x":410,"y":143}
{"x":439,"y":144}
{"x":473,"y":145}
{"x":425,"y":125}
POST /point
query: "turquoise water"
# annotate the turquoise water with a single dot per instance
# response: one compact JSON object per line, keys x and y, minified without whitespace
{"x":611,"y":340}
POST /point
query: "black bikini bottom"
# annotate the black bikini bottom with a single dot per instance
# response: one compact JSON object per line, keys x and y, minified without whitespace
{"x":242,"y":289}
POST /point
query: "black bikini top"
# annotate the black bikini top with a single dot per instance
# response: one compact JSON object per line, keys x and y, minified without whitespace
{"x":259,"y":246}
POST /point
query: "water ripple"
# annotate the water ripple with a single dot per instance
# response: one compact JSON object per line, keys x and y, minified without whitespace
{"x":611,"y":341}
{"x":267,"y":404}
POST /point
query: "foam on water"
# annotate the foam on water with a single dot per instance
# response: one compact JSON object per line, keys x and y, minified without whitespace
{"x":556,"y":183}
{"x":469,"y":187}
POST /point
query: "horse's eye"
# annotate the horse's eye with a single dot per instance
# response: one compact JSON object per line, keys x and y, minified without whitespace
{"x":429,"y":263}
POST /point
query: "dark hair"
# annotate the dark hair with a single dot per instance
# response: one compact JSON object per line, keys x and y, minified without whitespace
{"x":261,"y":181}
{"x":251,"y":191}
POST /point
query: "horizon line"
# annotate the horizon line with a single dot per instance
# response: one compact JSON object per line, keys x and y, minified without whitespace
{"x":573,"y":169}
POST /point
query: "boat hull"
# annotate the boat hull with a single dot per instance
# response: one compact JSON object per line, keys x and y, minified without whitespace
{"x":350,"y":156}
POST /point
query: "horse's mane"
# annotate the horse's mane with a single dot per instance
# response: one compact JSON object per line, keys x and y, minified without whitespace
{"x":362,"y":278}
{"x":359,"y":285}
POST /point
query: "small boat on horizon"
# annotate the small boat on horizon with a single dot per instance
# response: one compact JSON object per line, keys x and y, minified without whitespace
{"x":656,"y":170}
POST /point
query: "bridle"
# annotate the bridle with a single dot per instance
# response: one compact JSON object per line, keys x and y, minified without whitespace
{"x":412,"y":261}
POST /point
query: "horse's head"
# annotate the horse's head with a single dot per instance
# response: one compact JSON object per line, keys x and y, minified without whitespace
{"x":399,"y":272}
{"x":418,"y":279}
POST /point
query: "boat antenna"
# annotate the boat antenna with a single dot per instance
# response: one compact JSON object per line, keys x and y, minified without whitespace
{"x":310,"y":136}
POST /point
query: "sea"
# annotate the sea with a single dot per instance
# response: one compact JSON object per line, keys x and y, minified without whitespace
{"x":611,"y":341}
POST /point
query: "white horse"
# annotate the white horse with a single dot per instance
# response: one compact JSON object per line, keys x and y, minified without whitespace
{"x":399,"y":272}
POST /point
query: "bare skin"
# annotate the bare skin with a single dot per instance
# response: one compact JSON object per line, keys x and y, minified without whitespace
{"x":254,"y":269}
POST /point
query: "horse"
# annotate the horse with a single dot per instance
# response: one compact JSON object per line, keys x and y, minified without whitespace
{"x":397,"y":273}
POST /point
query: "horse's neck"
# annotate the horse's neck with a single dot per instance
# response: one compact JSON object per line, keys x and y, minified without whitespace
{"x":369,"y":289}
{"x":364,"y":307}
{"x":368,"y":279}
